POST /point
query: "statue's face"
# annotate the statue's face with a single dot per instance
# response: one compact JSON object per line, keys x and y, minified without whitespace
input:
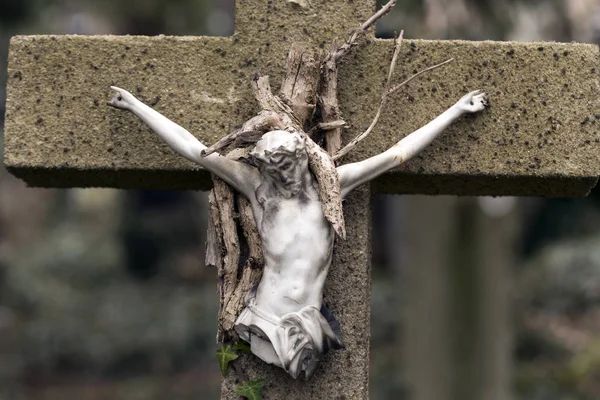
{"x":283,"y":158}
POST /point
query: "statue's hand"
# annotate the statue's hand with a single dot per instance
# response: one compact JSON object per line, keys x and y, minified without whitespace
{"x":122,"y":99}
{"x":473,"y":102}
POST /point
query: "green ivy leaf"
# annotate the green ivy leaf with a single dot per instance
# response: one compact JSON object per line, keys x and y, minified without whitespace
{"x":225,"y":355}
{"x":252,"y":390}
{"x":242,"y":346}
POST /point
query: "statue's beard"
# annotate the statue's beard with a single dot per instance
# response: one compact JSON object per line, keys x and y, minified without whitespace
{"x":290,"y":189}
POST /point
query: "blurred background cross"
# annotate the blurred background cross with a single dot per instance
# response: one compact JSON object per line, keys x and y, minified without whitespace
{"x":462,"y":217}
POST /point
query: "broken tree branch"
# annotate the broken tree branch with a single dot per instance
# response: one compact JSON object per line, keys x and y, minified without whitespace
{"x":330,"y":110}
{"x":224,"y":199}
{"x":269,"y":102}
{"x":250,"y":132}
{"x":384,"y":98}
{"x":398,"y":86}
{"x":277,"y":113}
{"x":325,"y":126}
{"x":253,"y":266}
{"x":299,"y":86}
{"x":328,"y":103}
{"x":382,"y":103}
{"x":237,"y":135}
{"x":214,"y":235}
{"x":351,"y":42}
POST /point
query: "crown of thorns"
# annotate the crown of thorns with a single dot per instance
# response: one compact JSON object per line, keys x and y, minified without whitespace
{"x":294,"y":148}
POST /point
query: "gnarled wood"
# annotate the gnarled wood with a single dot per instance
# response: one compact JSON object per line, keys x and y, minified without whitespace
{"x":328,"y":103}
{"x":214,"y":235}
{"x":250,"y":132}
{"x":299,"y":87}
{"x":228,"y":272}
{"x":253,"y":266}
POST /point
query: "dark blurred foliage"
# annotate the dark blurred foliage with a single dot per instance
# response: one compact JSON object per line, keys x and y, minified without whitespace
{"x":13,"y":12}
{"x":152,"y":17}
{"x":103,"y":294}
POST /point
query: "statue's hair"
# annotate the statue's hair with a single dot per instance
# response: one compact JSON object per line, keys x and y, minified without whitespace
{"x":265,"y":153}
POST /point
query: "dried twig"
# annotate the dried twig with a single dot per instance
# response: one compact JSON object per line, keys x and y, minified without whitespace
{"x":238,"y":135}
{"x":225,"y":200}
{"x":299,"y":86}
{"x":214,"y":235}
{"x":329,"y":76}
{"x":395,"y":88}
{"x":250,"y":132}
{"x":384,"y":98}
{"x":326,"y":126}
{"x":351,"y":42}
{"x":252,"y":269}
{"x":382,"y":103}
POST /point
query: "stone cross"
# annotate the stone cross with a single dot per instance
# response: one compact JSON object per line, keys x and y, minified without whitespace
{"x":539,"y":138}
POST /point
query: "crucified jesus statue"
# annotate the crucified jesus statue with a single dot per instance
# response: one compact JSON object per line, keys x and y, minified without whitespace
{"x":284,"y":319}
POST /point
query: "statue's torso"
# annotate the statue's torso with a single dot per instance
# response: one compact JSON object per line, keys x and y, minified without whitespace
{"x":297,"y":243}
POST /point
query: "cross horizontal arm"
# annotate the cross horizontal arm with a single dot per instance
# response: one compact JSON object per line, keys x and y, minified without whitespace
{"x":540,"y":136}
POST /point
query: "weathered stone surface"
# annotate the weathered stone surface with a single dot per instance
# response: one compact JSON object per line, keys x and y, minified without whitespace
{"x":343,"y":374}
{"x":540,"y":137}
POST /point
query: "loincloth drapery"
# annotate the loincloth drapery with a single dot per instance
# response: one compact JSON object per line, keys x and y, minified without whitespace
{"x":294,"y":342}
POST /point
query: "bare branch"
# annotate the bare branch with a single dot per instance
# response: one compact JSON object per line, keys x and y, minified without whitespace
{"x":375,"y":17}
{"x":323,"y":167}
{"x":384,"y":98}
{"x":244,"y":136}
{"x":327,"y":126}
{"x":395,"y":88}
{"x":383,"y":102}
{"x":351,"y":42}
{"x":224,"y":198}
{"x":328,"y":104}
{"x":254,"y":264}
{"x":299,"y":87}
{"x":214,"y":235}
{"x":250,"y":132}
{"x":397,"y":47}
{"x":262,"y":91}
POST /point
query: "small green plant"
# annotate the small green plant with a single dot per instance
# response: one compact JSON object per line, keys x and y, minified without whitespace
{"x":225,"y":355}
{"x":252,"y":390}
{"x":242,"y":346}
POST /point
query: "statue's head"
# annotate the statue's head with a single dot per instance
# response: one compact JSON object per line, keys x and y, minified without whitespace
{"x":282,"y":156}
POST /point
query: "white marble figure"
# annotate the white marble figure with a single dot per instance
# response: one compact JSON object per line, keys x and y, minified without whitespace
{"x":284,"y":320}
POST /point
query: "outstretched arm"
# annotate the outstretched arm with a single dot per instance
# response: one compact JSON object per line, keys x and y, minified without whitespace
{"x":242,"y":177}
{"x":355,"y":174}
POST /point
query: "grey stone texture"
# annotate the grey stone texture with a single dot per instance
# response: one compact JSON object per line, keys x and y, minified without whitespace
{"x":540,"y":137}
